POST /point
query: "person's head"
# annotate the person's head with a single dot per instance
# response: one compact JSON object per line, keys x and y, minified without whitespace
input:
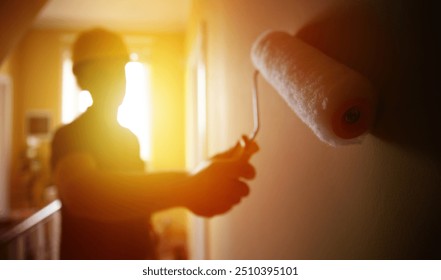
{"x":99,"y":57}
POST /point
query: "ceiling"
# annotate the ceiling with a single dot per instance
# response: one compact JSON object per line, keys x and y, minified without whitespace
{"x":144,"y":15}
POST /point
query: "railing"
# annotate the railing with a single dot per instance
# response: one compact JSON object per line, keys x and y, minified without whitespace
{"x":36,"y":237}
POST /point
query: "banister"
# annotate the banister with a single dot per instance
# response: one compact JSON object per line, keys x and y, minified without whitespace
{"x":30,"y":222}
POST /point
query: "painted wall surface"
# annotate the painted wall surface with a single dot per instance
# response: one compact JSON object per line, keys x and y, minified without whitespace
{"x":15,"y":19}
{"x":379,"y":199}
{"x":37,"y":89}
{"x":168,"y":101}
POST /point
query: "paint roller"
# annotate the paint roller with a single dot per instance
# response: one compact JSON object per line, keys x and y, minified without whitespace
{"x":335,"y":101}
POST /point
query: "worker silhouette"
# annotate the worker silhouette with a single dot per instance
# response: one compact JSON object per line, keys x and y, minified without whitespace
{"x":106,"y":196}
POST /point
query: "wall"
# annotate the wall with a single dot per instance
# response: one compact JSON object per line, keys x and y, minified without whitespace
{"x":167,"y":62}
{"x":15,"y":19}
{"x":37,"y":89}
{"x":376,"y":200}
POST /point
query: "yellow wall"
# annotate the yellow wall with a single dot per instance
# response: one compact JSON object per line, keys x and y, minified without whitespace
{"x":168,"y":99}
{"x":5,"y":67}
{"x":37,"y":87}
{"x":15,"y":19}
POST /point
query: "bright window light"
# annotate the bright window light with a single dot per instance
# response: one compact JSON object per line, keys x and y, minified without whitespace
{"x":84,"y":101}
{"x":134,"y":112}
{"x":69,"y":106}
{"x":201,"y":108}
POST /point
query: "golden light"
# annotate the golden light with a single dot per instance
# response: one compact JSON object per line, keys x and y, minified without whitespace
{"x":134,"y":113}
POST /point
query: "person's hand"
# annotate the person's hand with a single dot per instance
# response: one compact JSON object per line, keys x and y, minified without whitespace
{"x":217,"y":187}
{"x":244,"y":147}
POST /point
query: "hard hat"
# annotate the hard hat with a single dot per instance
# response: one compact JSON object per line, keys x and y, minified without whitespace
{"x":96,"y":44}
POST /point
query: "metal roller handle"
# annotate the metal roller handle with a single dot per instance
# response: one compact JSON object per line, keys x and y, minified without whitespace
{"x":256,"y":113}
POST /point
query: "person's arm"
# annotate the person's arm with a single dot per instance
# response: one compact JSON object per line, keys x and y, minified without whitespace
{"x":89,"y":192}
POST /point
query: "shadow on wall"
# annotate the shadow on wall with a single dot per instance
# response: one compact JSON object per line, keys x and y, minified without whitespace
{"x":387,"y":45}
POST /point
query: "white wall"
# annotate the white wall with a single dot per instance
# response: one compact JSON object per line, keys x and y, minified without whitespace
{"x":375,"y":200}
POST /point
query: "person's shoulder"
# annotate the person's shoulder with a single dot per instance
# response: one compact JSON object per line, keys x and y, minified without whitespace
{"x":66,"y":138}
{"x":62,"y":131}
{"x":68,"y":130}
{"x":127,"y":133}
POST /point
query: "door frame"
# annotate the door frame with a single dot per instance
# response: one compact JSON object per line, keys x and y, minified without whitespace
{"x":5,"y":143}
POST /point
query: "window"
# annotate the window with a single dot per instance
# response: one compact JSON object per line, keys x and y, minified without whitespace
{"x":134,"y":112}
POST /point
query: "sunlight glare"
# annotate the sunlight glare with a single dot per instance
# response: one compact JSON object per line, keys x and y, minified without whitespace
{"x":134,"y":113}
{"x":85,"y":100}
